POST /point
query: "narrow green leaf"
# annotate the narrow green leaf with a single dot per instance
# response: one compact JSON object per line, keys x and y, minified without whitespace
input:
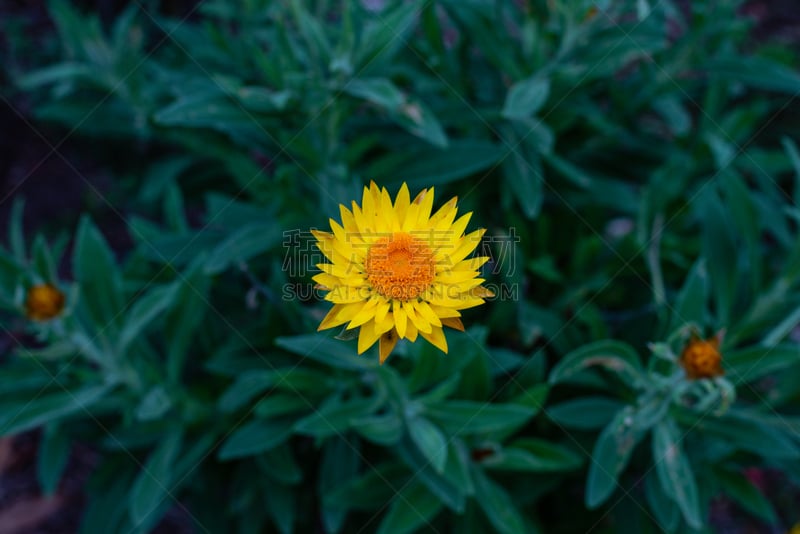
{"x":468,"y":417}
{"x":256,"y":437}
{"x":586,"y":414}
{"x":526,"y":97}
{"x":336,"y":416}
{"x":154,"y":405}
{"x":675,"y":472}
{"x":430,"y":441}
{"x":614,"y":356}
{"x":531,"y":455}
{"x":18,"y":417}
{"x":152,"y":485}
{"x":611,"y":454}
{"x":413,"y":507}
{"x":96,"y":271}
{"x":379,"y":91}
{"x":740,"y":489}
{"x":755,"y":72}
{"x":325,"y":350}
{"x":386,"y":429}
{"x":497,"y":505}
{"x":243,"y":245}
{"x":53,"y":454}
{"x":142,"y":314}
{"x":751,"y":363}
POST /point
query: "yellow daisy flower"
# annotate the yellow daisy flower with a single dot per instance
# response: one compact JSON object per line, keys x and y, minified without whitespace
{"x":397,"y":271}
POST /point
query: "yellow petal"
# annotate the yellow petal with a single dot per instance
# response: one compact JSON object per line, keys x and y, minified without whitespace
{"x":347,"y":295}
{"x":411,"y":332}
{"x":400,"y":320}
{"x":381,"y":310}
{"x":387,"y":344}
{"x":425,"y":202}
{"x":468,"y":244}
{"x":437,"y":339}
{"x":427,"y":312}
{"x":367,"y":336}
{"x":421,"y":323}
{"x":453,"y":322}
{"x":447,"y":212}
{"x":401,"y":203}
{"x":444,"y":312}
{"x":367,"y":313}
{"x":331,"y":318}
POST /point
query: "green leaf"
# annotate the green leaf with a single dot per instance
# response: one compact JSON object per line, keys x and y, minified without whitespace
{"x":184,"y":316}
{"x":432,"y":166}
{"x":253,"y":383}
{"x":665,"y":512}
{"x":522,"y":171}
{"x":370,"y":491}
{"x":379,"y":91}
{"x":748,"y":496}
{"x":611,"y":454}
{"x":690,"y":305}
{"x":279,"y":464}
{"x":467,"y":417}
{"x":336,"y":416}
{"x":256,"y":437}
{"x":281,"y":505}
{"x":531,"y":455}
{"x":497,"y":505}
{"x":43,"y":260}
{"x":152,"y":485}
{"x":721,"y":253}
{"x":340,"y":462}
{"x":741,"y":430}
{"x":614,"y":356}
{"x":325,"y":350}
{"x":155,"y":404}
{"x":418,"y":119}
{"x":53,"y":454}
{"x":675,"y":472}
{"x":526,"y":97}
{"x":16,"y":233}
{"x":142,"y":314}
{"x":755,"y":72}
{"x":242,"y":245}
{"x":413,"y":507}
{"x":751,"y":363}
{"x":430,"y":441}
{"x":18,"y":417}
{"x":384,"y":34}
{"x":386,"y":429}
{"x":588,"y":413}
{"x":444,"y":489}
{"x":277,"y":404}
{"x":96,"y":271}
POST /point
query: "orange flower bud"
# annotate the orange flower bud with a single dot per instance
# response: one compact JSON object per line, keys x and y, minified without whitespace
{"x":701,"y":358}
{"x":44,"y":302}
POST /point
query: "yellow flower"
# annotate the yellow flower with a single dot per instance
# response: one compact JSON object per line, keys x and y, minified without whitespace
{"x":396,"y":271}
{"x":701,"y":358}
{"x":44,"y":302}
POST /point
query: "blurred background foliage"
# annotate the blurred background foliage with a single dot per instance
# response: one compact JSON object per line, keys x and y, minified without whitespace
{"x":635,"y":165}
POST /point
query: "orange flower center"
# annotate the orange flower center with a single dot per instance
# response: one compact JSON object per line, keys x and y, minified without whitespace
{"x":44,"y":301}
{"x":702,"y":359}
{"x":400,"y":267}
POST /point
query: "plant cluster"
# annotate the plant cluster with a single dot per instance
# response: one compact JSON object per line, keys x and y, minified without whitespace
{"x":631,"y":162}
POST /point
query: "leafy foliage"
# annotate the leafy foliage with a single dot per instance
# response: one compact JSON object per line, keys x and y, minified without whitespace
{"x":637,"y":188}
